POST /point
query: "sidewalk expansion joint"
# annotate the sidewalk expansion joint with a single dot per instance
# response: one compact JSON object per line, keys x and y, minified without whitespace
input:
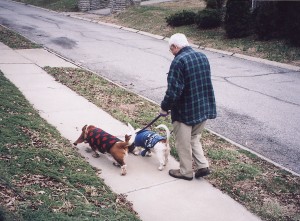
{"x":17,"y":62}
{"x":151,"y":89}
{"x":149,"y":187}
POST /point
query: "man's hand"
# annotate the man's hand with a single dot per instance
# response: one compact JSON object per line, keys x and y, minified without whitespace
{"x":163,"y":113}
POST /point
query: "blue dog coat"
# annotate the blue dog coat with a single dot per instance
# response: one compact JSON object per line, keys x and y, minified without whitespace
{"x":147,"y":139}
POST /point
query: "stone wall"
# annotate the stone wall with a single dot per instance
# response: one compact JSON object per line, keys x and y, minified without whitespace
{"x":84,"y":5}
{"x":114,"y":5}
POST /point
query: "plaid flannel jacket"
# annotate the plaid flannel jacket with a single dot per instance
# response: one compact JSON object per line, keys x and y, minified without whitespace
{"x":190,"y":94}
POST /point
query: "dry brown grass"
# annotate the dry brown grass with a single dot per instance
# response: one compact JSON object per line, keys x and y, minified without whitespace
{"x":184,"y":4}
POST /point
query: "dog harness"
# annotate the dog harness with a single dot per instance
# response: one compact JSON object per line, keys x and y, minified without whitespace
{"x":101,"y":140}
{"x":147,"y":139}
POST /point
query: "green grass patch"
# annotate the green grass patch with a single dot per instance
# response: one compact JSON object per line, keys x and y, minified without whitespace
{"x":55,"y":5}
{"x":216,"y":154}
{"x":242,"y":171}
{"x":248,"y":154}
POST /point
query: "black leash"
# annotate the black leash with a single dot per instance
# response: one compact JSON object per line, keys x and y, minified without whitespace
{"x":148,"y":125}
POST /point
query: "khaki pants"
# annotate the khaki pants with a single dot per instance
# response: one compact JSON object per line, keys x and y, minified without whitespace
{"x":188,"y":146}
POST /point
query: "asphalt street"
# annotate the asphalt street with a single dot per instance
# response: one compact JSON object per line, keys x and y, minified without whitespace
{"x":257,"y":104}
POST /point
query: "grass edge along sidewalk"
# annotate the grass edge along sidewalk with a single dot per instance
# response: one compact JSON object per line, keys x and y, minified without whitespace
{"x":263,"y":188}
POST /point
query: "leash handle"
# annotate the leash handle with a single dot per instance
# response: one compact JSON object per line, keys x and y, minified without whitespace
{"x":148,"y":125}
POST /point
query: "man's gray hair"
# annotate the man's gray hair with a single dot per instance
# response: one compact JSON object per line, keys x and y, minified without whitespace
{"x":179,"y":40}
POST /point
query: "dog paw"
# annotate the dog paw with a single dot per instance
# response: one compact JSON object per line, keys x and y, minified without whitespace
{"x":165,"y":163}
{"x":136,"y":153}
{"x":96,"y":155}
{"x":116,"y":164}
{"x":88,"y":150}
{"x":123,"y":170}
{"x":161,"y":168}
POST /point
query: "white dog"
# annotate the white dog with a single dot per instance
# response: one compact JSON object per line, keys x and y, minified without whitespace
{"x":147,"y":140}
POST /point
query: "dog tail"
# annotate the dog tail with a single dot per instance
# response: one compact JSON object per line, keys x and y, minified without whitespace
{"x":131,"y":128}
{"x":166,"y":129}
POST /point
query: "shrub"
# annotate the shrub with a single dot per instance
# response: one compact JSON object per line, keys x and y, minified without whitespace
{"x":292,"y":25}
{"x":266,"y":20}
{"x":278,"y":20}
{"x":181,"y":18}
{"x":238,"y":18}
{"x":208,"y":18}
{"x":214,"y":4}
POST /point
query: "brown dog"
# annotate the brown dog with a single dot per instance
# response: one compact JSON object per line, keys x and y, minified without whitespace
{"x":101,"y":141}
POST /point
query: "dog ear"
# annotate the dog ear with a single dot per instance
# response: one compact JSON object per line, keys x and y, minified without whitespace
{"x":127,"y":137}
{"x":84,"y":127}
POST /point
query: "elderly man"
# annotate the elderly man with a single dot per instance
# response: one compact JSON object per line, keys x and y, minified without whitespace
{"x":190,"y":97}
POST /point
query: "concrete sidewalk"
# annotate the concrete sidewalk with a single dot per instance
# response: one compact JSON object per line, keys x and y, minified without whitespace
{"x":154,"y":194}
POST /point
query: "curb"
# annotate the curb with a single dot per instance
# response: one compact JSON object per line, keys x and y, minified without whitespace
{"x":268,"y":62}
{"x":219,"y":51}
{"x":151,"y":35}
{"x":130,"y":29}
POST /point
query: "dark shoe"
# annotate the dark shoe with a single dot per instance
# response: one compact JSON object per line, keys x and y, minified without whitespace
{"x":202,"y":172}
{"x":177,"y":174}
